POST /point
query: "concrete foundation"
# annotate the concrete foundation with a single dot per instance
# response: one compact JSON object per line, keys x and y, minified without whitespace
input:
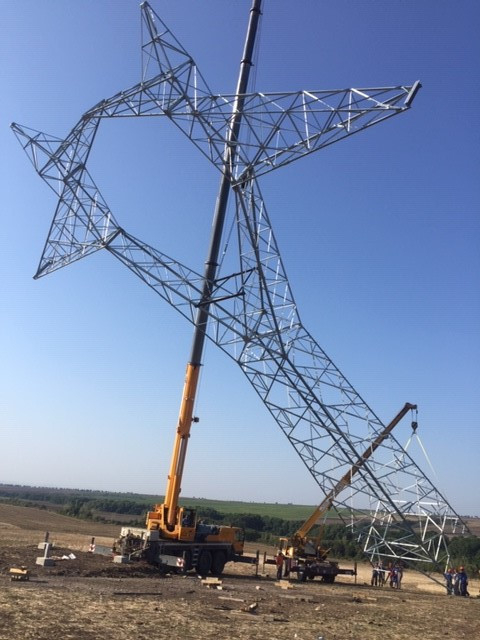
{"x":121,"y":559}
{"x":45,"y":562}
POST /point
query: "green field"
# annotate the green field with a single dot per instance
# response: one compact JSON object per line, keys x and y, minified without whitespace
{"x":272,"y":510}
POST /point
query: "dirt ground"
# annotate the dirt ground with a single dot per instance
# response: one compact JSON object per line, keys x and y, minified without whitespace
{"x":89,"y":597}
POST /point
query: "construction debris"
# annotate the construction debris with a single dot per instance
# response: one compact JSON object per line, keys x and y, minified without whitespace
{"x":231,"y":599}
{"x":299,"y":598}
{"x":212,"y":583}
{"x":284,"y":584}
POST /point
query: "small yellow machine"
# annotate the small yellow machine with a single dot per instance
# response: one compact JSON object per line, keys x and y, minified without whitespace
{"x":306,"y":555}
{"x":19,"y":573}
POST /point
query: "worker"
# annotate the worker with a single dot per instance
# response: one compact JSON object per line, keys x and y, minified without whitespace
{"x":390,"y":574}
{"x":381,"y":574}
{"x":448,"y":575}
{"x":455,"y":582}
{"x":279,"y":560}
{"x":462,"y":579}
{"x":392,"y":577}
{"x":187,"y":519}
{"x":375,"y":576}
{"x":399,"y":572}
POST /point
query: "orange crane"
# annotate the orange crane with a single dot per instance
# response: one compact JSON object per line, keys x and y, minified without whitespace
{"x":174,"y":537}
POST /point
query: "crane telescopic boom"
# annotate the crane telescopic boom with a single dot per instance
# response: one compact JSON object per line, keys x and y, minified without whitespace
{"x":167,"y":515}
{"x":298,"y":540}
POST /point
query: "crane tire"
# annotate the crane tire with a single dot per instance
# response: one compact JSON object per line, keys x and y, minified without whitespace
{"x":218,"y":563}
{"x":204,"y":563}
{"x":188,"y":561}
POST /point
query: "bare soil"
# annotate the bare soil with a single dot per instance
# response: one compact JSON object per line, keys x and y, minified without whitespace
{"x":90,"y":597}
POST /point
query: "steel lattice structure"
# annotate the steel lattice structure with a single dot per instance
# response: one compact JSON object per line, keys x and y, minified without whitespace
{"x":253,"y":318}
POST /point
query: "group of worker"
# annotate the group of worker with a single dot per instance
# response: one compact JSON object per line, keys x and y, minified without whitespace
{"x":392,"y":575}
{"x":456,"y":582}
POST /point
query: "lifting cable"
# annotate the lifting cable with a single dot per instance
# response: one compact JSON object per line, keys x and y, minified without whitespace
{"x":415,"y":435}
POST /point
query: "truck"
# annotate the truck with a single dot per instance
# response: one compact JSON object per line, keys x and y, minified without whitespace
{"x":174,"y":537}
{"x":305,"y":555}
{"x":204,"y":548}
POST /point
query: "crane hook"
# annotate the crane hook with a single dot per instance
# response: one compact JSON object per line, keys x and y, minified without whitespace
{"x":414,"y":422}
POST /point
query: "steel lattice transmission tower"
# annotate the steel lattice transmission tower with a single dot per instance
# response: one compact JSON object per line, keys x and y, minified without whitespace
{"x":250,"y":312}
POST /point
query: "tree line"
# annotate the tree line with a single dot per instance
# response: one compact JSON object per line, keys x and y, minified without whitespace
{"x":465,"y":552}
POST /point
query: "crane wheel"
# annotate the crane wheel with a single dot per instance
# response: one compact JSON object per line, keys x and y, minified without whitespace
{"x":218,"y":563}
{"x":187,"y":561}
{"x":204,"y":563}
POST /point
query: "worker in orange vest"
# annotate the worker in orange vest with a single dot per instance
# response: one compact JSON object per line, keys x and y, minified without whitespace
{"x":279,"y":560}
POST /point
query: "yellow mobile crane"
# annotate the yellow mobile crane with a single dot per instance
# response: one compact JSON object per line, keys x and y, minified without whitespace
{"x":306,"y":555}
{"x":173,"y":535}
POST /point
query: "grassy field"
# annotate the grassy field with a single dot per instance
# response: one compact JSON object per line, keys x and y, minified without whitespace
{"x":56,"y":498}
{"x":273,"y":510}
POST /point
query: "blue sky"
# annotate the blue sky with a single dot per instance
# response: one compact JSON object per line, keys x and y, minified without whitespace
{"x":379,"y":234}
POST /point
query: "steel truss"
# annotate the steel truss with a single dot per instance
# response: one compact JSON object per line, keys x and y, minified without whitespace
{"x":397,"y":512}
